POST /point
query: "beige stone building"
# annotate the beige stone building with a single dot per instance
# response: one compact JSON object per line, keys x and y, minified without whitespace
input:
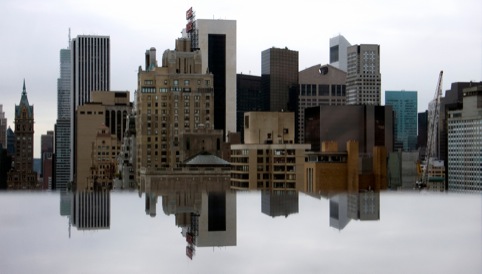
{"x":105,"y":149}
{"x":269,"y":159}
{"x":174,"y":104}
{"x":107,"y":110}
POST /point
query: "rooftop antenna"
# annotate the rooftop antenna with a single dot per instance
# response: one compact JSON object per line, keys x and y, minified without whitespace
{"x":69,"y":37}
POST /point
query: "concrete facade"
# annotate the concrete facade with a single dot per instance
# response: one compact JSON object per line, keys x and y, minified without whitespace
{"x":173,"y":101}
{"x":363,"y":79}
{"x":222,"y":34}
{"x":465,"y":142}
{"x":338,"y":52}
{"x":369,"y":125}
{"x":319,"y":85}
{"x":269,"y":127}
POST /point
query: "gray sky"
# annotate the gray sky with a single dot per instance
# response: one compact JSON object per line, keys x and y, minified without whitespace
{"x":417,"y":39}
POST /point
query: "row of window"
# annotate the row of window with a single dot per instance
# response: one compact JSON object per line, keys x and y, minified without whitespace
{"x":175,"y":82}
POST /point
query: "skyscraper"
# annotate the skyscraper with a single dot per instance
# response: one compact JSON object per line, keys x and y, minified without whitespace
{"x":279,"y":78}
{"x":464,"y":128}
{"x":62,"y":137}
{"x":22,"y":176}
{"x":404,"y":105}
{"x":90,"y":65}
{"x":363,"y":80}
{"x":338,"y":52}
{"x":3,"y":128}
{"x":216,"y":39}
{"x":248,"y":98}
{"x":46,"y":152}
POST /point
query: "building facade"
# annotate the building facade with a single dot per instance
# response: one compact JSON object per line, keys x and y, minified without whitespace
{"x":112,"y":107}
{"x":404,"y":104}
{"x":363,"y":79}
{"x":90,"y":70}
{"x":46,"y":158}
{"x":172,"y":101}
{"x":62,"y":137}
{"x":216,"y":40}
{"x":464,"y":143}
{"x":248,"y":98}
{"x":319,"y":85}
{"x":3,"y":128}
{"x":338,"y":52}
{"x":268,"y":159}
{"x":279,"y":78}
{"x":369,"y":125}
{"x":22,"y":176}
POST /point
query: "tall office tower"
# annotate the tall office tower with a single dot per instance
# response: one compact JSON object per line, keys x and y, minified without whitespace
{"x":90,"y":70}
{"x":453,"y":100}
{"x":46,"y":155}
{"x":464,"y":143}
{"x":422,"y":123}
{"x":404,"y":105}
{"x":216,"y":39}
{"x":319,"y":85}
{"x":3,"y":128}
{"x":22,"y":176}
{"x":279,"y":78}
{"x":174,"y":104}
{"x":62,"y":150}
{"x":363,"y":79}
{"x":248,"y":98}
{"x":338,"y":52}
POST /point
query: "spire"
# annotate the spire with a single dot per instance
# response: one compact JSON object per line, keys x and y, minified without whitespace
{"x":24,"y":92}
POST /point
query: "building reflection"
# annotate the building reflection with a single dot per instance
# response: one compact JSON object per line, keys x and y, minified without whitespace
{"x":86,"y":210}
{"x":204,"y":208}
{"x":363,"y":206}
{"x":279,"y":202}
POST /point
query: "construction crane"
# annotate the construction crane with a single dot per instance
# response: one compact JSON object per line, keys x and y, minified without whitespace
{"x":432,"y":132}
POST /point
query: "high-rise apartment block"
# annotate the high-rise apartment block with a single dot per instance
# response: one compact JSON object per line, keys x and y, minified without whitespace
{"x":279,"y":78}
{"x":22,"y":176}
{"x":465,"y":142}
{"x":90,"y":71}
{"x":3,"y":128}
{"x":363,"y":79}
{"x":319,"y":85}
{"x":269,"y":159}
{"x":404,"y":104}
{"x":216,"y":40}
{"x":63,"y":124}
{"x":338,"y":52}
{"x":175,"y":109}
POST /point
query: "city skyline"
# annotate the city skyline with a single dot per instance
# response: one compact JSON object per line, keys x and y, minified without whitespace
{"x":415,"y":43}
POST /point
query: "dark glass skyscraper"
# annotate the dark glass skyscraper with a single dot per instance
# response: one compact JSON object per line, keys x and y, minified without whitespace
{"x":279,"y":78}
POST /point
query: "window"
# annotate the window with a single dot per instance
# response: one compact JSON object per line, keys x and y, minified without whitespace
{"x":186,"y":82}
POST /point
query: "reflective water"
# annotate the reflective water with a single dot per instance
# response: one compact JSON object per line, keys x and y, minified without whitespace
{"x":184,"y":231}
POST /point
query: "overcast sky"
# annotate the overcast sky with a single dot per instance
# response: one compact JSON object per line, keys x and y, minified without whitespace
{"x":417,"y":39}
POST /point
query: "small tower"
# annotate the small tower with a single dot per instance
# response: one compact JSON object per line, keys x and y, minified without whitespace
{"x":22,"y":176}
